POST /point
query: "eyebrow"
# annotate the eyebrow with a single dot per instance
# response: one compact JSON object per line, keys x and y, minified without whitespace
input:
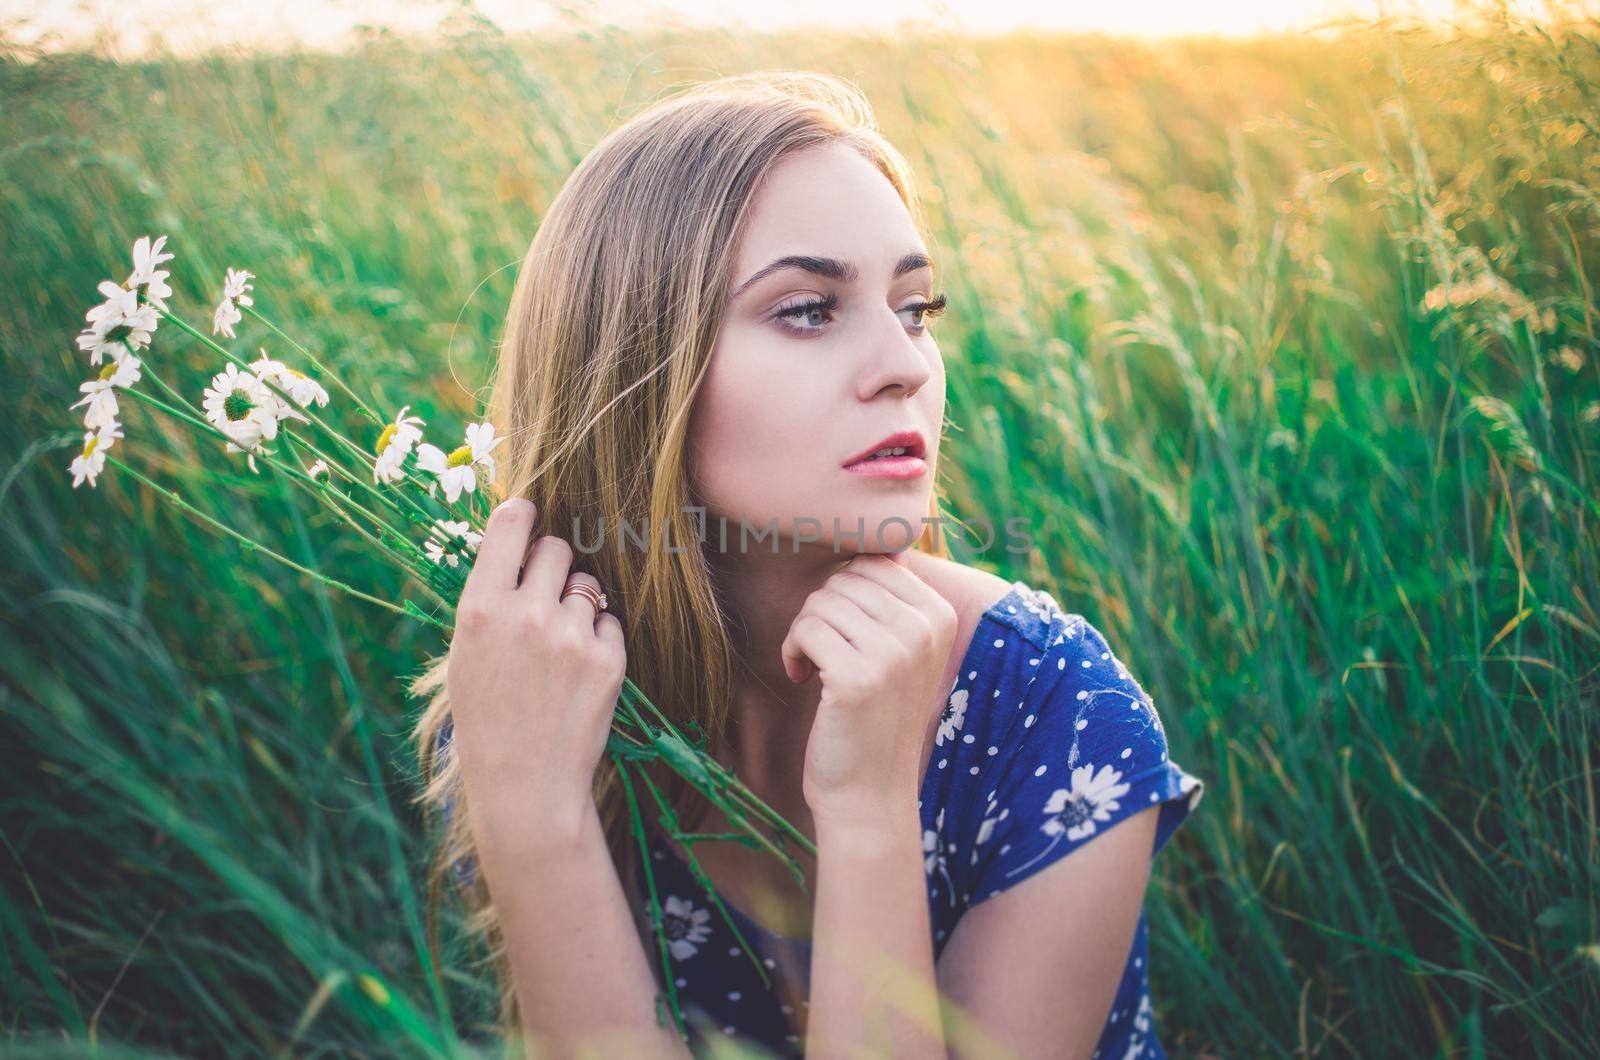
{"x":832,"y":268}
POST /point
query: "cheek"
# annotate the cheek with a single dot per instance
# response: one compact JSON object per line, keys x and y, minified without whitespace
{"x":752,"y":426}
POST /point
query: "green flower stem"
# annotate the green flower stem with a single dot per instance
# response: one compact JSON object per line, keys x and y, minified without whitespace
{"x":303,"y":479}
{"x":637,"y":827}
{"x":717,"y":768}
{"x":252,"y":544}
{"x":700,"y":874}
{"x":361,"y":453}
{"x":211,"y":428}
{"x":359,"y":480}
{"x":206,"y":425}
{"x":324,"y":491}
{"x":713,"y":781}
{"x":196,"y":415}
{"x":335,"y":465}
{"x":321,"y":369}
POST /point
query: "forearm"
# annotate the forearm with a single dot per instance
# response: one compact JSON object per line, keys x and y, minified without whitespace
{"x":582,"y":979}
{"x":873,"y":987}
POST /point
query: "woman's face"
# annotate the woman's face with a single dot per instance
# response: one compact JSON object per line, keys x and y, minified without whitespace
{"x":793,"y":394}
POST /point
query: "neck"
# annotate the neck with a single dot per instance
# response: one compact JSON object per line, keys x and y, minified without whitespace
{"x":763,"y":592}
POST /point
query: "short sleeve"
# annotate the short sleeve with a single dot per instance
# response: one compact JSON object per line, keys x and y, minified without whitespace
{"x":1085,"y":750}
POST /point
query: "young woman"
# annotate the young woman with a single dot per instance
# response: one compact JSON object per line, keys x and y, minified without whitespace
{"x":721,"y":334}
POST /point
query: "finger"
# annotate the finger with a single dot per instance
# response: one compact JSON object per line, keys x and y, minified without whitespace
{"x":577,"y":606}
{"x":500,"y":552}
{"x":867,"y":593}
{"x":549,"y":564}
{"x":897,"y":578}
{"x":608,"y":628}
{"x":902,"y":615}
{"x":812,"y":645}
{"x":845,"y":615}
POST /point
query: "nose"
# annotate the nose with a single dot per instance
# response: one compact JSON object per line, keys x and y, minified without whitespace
{"x":893,"y":359}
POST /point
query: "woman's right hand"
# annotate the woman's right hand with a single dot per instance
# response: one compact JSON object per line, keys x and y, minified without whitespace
{"x":532,"y":679}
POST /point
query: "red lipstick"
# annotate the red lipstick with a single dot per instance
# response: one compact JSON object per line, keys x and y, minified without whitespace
{"x":909,"y":464}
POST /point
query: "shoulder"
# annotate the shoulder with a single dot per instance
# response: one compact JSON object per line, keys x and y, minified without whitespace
{"x":1072,"y":744}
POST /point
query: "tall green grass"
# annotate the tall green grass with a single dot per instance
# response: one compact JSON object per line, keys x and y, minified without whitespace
{"x":1343,"y":529}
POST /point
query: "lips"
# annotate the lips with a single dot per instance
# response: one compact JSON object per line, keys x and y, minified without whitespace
{"x":911,"y":441}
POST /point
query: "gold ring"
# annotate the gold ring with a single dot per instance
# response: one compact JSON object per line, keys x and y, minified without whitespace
{"x":588,"y":592}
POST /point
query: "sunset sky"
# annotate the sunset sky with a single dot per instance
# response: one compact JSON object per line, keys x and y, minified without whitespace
{"x":326,"y":23}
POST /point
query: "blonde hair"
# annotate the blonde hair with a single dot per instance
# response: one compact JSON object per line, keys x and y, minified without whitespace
{"x":607,"y":339}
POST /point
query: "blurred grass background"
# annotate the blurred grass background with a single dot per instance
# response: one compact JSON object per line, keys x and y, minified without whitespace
{"x":1286,"y":347}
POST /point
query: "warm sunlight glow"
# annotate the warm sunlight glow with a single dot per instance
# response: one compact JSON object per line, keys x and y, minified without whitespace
{"x":129,"y":29}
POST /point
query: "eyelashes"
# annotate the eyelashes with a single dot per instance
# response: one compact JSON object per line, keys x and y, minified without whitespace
{"x":830,"y":304}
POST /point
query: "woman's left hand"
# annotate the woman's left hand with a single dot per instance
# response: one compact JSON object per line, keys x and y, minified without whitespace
{"x":879,"y":637}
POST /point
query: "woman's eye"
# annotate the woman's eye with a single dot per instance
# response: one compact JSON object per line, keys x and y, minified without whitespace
{"x":926,"y":309}
{"x":805,"y":312}
{"x":812,"y":315}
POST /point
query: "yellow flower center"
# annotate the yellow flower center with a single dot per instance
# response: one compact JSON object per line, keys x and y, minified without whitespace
{"x":108,"y":371}
{"x":88,"y":447}
{"x":384,"y":439}
{"x":460,"y":456}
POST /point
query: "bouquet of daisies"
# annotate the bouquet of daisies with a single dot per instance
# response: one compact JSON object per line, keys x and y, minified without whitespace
{"x":389,"y":493}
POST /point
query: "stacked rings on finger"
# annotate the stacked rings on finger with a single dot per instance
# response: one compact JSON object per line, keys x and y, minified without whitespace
{"x":588,"y":592}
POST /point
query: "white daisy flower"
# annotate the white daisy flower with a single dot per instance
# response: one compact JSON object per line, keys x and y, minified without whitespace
{"x":955,"y":713}
{"x":226,"y":316}
{"x":146,"y":256}
{"x":99,"y":346}
{"x":442,"y":547}
{"x":242,"y":407}
{"x":119,"y":304}
{"x":270,"y":371}
{"x":117,"y":325}
{"x":236,"y":286}
{"x":684,"y":926}
{"x":394,"y":444}
{"x":1091,"y":798}
{"x":100,"y":393}
{"x":266,"y":367}
{"x":459,"y":470}
{"x":301,"y":387}
{"x":92,"y":460}
{"x":234,"y":294}
{"x":320,"y":467}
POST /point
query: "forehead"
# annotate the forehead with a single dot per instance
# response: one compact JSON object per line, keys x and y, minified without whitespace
{"x":827,"y":201}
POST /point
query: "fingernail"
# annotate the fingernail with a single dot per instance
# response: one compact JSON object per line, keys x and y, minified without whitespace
{"x":510,"y":502}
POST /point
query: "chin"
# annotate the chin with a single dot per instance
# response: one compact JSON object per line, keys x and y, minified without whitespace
{"x":887,"y":527}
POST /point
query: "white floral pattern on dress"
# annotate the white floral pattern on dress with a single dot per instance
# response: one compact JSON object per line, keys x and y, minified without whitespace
{"x":1141,"y":1028}
{"x":685,"y":926}
{"x":1092,"y":797}
{"x":1037,"y":602}
{"x":934,"y":849}
{"x":986,"y":827}
{"x":955,"y":713}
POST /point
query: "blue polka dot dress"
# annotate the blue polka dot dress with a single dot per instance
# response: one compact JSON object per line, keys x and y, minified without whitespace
{"x":1046,"y":741}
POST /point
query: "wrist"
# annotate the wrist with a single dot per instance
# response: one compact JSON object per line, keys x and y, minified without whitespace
{"x":531,"y":819}
{"x":867,"y":823}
